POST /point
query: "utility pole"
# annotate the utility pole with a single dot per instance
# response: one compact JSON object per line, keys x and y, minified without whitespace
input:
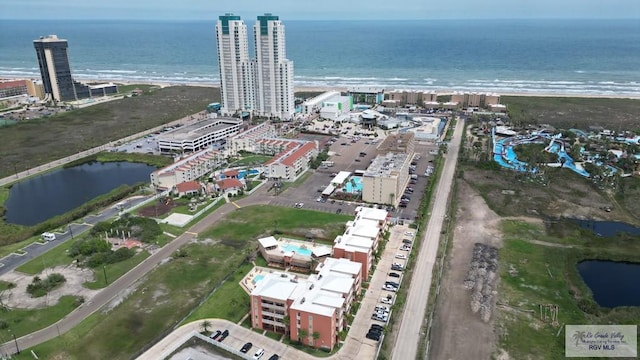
{"x":104,"y":270}
{"x":70,"y":232}
{"x":16,"y":341}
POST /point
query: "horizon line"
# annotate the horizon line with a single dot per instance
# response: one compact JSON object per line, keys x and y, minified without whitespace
{"x":332,"y":19}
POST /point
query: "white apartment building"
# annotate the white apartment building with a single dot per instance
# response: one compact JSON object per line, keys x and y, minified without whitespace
{"x":236,"y":73}
{"x":292,"y":161}
{"x":248,"y":140}
{"x":273,"y":71}
{"x":187,"y":169}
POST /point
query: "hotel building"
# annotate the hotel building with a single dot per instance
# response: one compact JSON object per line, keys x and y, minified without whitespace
{"x":284,"y":302}
{"x":236,"y":75}
{"x":385,"y":179}
{"x":200,"y":135}
{"x":247,"y":140}
{"x":473,"y":99}
{"x":273,"y":71}
{"x":55,"y":70}
{"x":263,"y":85}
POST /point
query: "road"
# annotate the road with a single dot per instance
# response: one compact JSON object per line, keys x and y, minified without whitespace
{"x":36,"y":249}
{"x":406,"y":346}
{"x":125,"y":281}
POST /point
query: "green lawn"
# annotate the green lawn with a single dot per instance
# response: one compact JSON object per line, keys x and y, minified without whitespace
{"x":114,"y":271}
{"x":23,"y":321}
{"x":249,"y":160}
{"x":54,"y":257}
{"x":254,"y":221}
{"x":229,"y":301}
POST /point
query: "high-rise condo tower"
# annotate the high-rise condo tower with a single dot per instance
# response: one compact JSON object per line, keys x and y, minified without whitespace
{"x":236,"y":75}
{"x":273,"y":71}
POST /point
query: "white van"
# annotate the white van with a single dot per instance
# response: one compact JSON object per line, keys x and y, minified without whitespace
{"x":48,"y":236}
{"x":258,"y":354}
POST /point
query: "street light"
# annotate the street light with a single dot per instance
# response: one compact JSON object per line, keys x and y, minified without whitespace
{"x":70,"y":232}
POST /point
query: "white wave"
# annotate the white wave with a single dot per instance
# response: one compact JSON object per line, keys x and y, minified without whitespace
{"x":114,"y":71}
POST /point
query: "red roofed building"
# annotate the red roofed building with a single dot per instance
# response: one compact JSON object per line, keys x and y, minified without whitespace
{"x":188,"y":188}
{"x":16,"y":87}
{"x":291,"y":162}
{"x":233,"y":174}
{"x":229,"y":185}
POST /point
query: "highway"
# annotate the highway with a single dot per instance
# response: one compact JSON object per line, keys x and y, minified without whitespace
{"x":407,"y":340}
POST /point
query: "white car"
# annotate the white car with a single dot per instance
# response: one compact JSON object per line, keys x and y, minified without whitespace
{"x":401,"y":256}
{"x":299,"y":205}
{"x":389,"y":288}
{"x":408,"y":233}
{"x":386,"y":300}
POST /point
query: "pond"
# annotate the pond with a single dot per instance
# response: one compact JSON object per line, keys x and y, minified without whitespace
{"x":607,"y":228}
{"x":42,"y":197}
{"x":612,"y":283}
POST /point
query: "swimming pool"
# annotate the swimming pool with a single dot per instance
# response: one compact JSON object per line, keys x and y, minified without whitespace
{"x":297,"y":250}
{"x":354,"y":186}
{"x":257,"y":278}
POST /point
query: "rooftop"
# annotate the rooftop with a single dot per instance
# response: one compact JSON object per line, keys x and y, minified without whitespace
{"x":396,"y":142}
{"x":199,"y":129}
{"x":386,"y":165}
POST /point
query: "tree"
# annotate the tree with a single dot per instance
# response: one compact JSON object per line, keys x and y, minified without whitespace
{"x":302,"y":334}
{"x":206,"y":324}
{"x":316,"y":336}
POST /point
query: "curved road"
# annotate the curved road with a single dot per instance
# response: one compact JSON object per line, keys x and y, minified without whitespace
{"x":406,"y":346}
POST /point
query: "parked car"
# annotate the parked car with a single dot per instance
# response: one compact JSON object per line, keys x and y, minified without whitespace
{"x":387,"y":300}
{"x":382,"y":308}
{"x":223,"y":335}
{"x":246,"y":347}
{"x":389,"y":288}
{"x":299,"y":205}
{"x":258,"y":354}
{"x":393,"y":274}
{"x":274,"y":357}
{"x":392,"y":283}
{"x":401,"y":256}
{"x":216,"y":334}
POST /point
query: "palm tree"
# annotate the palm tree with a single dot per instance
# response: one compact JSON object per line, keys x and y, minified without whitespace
{"x":205,"y":325}
{"x":316,"y":336}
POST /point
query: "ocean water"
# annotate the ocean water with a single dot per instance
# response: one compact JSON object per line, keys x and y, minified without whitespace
{"x":524,"y":56}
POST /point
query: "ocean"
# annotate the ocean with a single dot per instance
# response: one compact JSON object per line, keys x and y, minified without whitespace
{"x":581,"y":57}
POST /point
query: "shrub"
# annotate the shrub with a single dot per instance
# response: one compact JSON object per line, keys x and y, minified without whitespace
{"x":39,"y":287}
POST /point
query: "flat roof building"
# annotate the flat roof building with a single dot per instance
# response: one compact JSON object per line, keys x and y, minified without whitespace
{"x":292,"y":161}
{"x":385,"y":179}
{"x":200,"y":135}
{"x":400,"y":143}
{"x":318,"y":304}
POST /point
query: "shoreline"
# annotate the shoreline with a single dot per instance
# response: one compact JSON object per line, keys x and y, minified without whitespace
{"x":524,"y":93}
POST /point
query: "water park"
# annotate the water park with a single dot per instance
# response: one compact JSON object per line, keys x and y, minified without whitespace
{"x":504,"y":154}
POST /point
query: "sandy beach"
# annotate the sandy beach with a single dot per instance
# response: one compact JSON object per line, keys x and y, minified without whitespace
{"x":344,"y":89}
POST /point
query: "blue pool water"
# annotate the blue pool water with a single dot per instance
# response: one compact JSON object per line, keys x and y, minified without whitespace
{"x":297,"y":250}
{"x":257,"y":278}
{"x":354,"y":187}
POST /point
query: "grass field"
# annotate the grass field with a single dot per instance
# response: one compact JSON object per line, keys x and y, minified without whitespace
{"x":574,"y":112}
{"x":22,"y":322}
{"x":167,"y":295}
{"x":251,"y":160}
{"x":548,"y":275}
{"x":26,"y":145}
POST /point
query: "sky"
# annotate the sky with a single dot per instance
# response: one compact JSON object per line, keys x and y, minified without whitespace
{"x":321,"y":10}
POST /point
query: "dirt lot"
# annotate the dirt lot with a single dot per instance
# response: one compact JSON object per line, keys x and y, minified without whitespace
{"x":26,"y":145}
{"x":458,"y":333}
{"x":19,"y":298}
